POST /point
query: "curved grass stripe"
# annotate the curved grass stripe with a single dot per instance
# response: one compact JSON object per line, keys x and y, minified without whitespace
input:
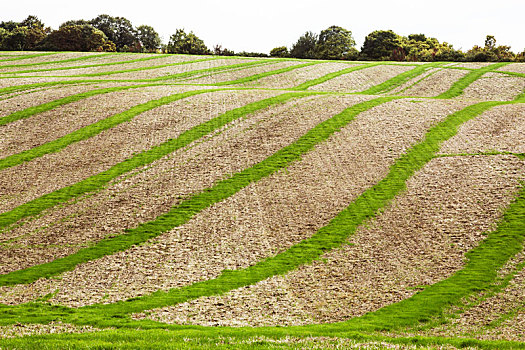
{"x":457,"y":88}
{"x":29,"y":56}
{"x":401,"y":79}
{"x":28,"y":112}
{"x":333,"y":75}
{"x":183,"y":212}
{"x":97,"y":181}
{"x":515,"y":74}
{"x":78,"y":67}
{"x":144,"y":68}
{"x":265,"y":74}
{"x":83,"y":58}
{"x":328,"y":237}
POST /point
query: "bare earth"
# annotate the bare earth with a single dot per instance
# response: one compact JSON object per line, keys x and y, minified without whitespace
{"x":259,"y":221}
{"x":436,"y":83}
{"x":418,"y":240}
{"x":494,"y":87}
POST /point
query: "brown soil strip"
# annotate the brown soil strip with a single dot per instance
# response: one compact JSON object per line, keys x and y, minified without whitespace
{"x":419,"y":239}
{"x":494,"y":87}
{"x":362,"y":79}
{"x":145,"y":196}
{"x":103,"y":69}
{"x":513,"y":67}
{"x":436,"y":84}
{"x":265,"y":217}
{"x":501,"y":128}
{"x":241,"y":73}
{"x":8,"y":82}
{"x":22,"y":330}
{"x":298,"y":76}
{"x":28,"y":133}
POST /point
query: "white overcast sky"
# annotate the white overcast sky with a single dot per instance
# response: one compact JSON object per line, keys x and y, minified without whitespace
{"x":262,"y":25}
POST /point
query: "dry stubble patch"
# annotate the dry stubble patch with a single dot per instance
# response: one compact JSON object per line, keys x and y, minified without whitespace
{"x":25,"y":134}
{"x":501,"y":129}
{"x":79,"y":160}
{"x":513,"y":67}
{"x":10,"y":82}
{"x":126,"y":66}
{"x":298,"y":76}
{"x":494,"y":87}
{"x":436,"y":84}
{"x":143,"y":197}
{"x":362,"y":79}
{"x":241,"y":73}
{"x":49,"y":58}
{"x":419,"y":239}
{"x":161,"y":72}
{"x":264,"y":218}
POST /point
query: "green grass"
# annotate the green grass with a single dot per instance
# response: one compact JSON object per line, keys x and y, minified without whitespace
{"x":401,"y":79}
{"x":457,"y":88}
{"x":95,"y":182}
{"x":181,"y":213}
{"x":320,"y":80}
{"x":25,"y":87}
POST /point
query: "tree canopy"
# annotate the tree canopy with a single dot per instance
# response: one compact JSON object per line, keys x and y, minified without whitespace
{"x":186,"y":43}
{"x":305,"y":46}
{"x":335,"y":43}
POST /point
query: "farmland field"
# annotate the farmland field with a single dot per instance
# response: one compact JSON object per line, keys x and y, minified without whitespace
{"x":176,"y":201}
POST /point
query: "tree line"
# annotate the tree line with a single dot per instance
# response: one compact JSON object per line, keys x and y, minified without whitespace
{"x":110,"y":34}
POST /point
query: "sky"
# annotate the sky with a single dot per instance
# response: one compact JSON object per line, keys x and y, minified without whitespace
{"x":262,"y":25}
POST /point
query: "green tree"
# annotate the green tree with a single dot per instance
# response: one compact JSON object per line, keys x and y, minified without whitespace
{"x":335,"y":43}
{"x":380,"y":44}
{"x":490,"y":52}
{"x":148,"y":37}
{"x":305,"y":46}
{"x":182,"y":43}
{"x":117,"y":29}
{"x":77,"y":38}
{"x":281,"y":51}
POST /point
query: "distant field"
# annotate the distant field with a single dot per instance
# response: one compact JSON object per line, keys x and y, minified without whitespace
{"x":176,"y":201}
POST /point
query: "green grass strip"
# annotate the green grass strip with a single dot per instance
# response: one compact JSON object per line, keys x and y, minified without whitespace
{"x":83,"y":58}
{"x":320,"y":80}
{"x":181,"y":213}
{"x":29,"y":112}
{"x":401,"y":79}
{"x":515,"y":74}
{"x":457,"y":88}
{"x":329,"y":237}
{"x":28,"y":56}
{"x":95,"y":182}
{"x":265,"y":74}
{"x":80,"y":67}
